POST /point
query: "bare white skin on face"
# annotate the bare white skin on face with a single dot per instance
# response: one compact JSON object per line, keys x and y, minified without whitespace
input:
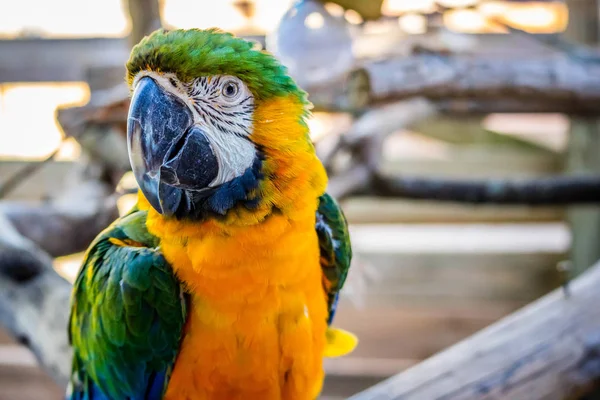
{"x":223,"y":107}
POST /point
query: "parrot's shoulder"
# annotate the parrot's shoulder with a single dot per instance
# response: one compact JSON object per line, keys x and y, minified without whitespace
{"x":127,"y":315}
{"x":334,"y":246}
{"x":130,"y":227}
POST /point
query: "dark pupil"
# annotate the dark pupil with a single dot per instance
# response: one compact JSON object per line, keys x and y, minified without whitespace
{"x":230,"y":89}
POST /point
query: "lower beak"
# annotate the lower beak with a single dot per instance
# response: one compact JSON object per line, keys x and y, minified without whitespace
{"x":171,"y":158}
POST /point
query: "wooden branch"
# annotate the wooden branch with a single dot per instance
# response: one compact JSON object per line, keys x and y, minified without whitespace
{"x":34,"y":301}
{"x":543,"y":191}
{"x":363,"y":178}
{"x":13,"y":181}
{"x":551,"y":82}
{"x":354,"y":180}
{"x":100,"y":127}
{"x":364,"y":141}
{"x":549,"y":350}
{"x":389,"y":118}
{"x":65,"y":225}
{"x":442,"y":76}
{"x":478,"y":106}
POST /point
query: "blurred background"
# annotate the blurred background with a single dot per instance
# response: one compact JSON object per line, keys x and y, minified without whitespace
{"x":490,"y":106}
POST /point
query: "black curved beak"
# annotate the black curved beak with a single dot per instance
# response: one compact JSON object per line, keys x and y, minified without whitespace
{"x":171,"y":158}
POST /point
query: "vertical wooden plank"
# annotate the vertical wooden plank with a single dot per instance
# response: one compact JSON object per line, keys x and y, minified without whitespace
{"x":145,"y":17}
{"x":583,"y":155}
{"x":584,"y":26}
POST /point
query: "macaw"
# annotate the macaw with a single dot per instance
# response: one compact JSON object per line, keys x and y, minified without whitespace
{"x":222,"y":281}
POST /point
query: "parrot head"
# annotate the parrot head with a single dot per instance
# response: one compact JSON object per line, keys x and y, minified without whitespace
{"x":216,"y":127}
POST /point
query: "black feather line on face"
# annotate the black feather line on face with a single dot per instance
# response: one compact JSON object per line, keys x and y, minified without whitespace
{"x":232,"y":119}
{"x":219,"y":124}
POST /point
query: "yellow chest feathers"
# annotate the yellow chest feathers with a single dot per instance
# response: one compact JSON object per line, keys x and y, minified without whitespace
{"x":257,"y":323}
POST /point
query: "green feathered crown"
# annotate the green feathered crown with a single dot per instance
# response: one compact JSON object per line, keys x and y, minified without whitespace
{"x":193,"y":53}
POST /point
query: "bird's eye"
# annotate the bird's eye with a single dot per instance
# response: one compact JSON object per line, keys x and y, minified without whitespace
{"x":230,"y":90}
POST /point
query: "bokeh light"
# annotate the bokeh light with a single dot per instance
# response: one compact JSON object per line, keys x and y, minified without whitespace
{"x":397,"y":7}
{"x":70,"y":18}
{"x":413,"y":23}
{"x":28,"y":127}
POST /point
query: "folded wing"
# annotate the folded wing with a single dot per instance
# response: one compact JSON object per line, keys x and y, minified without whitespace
{"x":127,"y":316}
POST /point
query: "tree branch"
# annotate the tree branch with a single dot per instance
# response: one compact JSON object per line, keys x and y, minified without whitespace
{"x":34,"y":299}
{"x":437,"y":76}
{"x":550,"y":82}
{"x":14,"y":180}
{"x":65,"y":225}
{"x":558,"y":190}
{"x":351,"y":182}
{"x":389,"y":118}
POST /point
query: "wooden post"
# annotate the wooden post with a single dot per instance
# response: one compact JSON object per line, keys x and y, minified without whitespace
{"x":584,"y":157}
{"x":583,"y":154}
{"x":145,"y":18}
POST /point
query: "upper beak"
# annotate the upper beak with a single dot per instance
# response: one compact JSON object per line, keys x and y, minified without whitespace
{"x":169,"y":155}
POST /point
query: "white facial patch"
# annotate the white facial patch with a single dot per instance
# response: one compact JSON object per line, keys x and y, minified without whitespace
{"x":234,"y":154}
{"x":223,"y":106}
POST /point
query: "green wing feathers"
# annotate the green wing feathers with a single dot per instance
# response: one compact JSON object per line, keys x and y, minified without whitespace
{"x":336,"y":252}
{"x":127,"y":316}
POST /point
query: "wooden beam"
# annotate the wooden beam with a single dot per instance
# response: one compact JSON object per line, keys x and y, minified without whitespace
{"x":548,"y":350}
